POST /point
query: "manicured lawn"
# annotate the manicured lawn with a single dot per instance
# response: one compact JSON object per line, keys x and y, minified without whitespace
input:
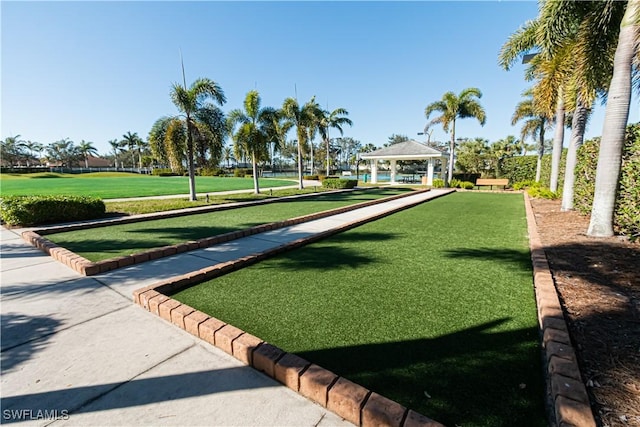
{"x":133,"y":207}
{"x":437,"y":299}
{"x":107,"y":242}
{"x":112,"y":185}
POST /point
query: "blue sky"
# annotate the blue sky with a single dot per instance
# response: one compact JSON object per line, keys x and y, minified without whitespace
{"x":96,"y":70}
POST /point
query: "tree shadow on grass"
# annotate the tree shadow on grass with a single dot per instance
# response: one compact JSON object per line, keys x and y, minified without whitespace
{"x":333,"y":254}
{"x":519,"y":259}
{"x":476,"y":376}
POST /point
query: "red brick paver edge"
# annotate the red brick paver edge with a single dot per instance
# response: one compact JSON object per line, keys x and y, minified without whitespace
{"x":565,"y":388}
{"x":349,"y":400}
{"x":90,"y":268}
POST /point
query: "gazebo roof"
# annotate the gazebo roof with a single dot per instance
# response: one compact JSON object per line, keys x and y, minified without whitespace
{"x":408,"y":150}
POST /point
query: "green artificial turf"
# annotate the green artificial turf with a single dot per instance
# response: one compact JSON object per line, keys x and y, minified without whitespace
{"x":111,"y":186}
{"x":435,"y":300}
{"x":100,"y":243}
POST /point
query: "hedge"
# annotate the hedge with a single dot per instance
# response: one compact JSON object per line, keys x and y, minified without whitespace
{"x":339,"y":183}
{"x":35,"y":210}
{"x":626,"y":218}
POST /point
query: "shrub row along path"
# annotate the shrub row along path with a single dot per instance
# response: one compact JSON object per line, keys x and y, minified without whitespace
{"x":79,"y":345}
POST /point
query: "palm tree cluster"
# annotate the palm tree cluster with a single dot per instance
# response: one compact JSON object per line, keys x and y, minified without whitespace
{"x":581,"y":51}
{"x":64,"y":152}
{"x":196,"y":137}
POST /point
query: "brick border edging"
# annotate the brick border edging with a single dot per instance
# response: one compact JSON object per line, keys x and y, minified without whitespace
{"x":567,"y":393}
{"x":90,"y":268}
{"x":349,"y":400}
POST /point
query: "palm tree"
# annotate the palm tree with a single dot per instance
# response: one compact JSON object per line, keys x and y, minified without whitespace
{"x":86,"y":148}
{"x":535,"y":124}
{"x":302,"y":117}
{"x":227,"y":155}
{"x":278,"y":130}
{"x":335,"y":119}
{"x":252,"y":133}
{"x":131,"y":141}
{"x":615,"y":122}
{"x":12,"y":149}
{"x":452,"y":106}
{"x":201,"y":122}
{"x":116,"y":147}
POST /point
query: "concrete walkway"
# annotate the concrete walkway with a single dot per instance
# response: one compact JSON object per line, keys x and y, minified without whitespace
{"x":77,"y":348}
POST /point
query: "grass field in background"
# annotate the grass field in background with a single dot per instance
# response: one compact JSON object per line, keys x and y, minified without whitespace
{"x":112,"y":185}
{"x":101,"y":243}
{"x":432,"y":307}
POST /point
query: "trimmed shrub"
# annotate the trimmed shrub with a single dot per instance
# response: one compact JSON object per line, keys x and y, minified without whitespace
{"x":339,"y":183}
{"x":310,"y":177}
{"x":438,"y":183}
{"x":627,"y":211}
{"x":585,"y":183}
{"x":540,"y":192}
{"x":210,"y":172}
{"x":240,"y":173}
{"x":35,"y":210}
{"x":164,"y":172}
{"x":467,"y":185}
{"x":523,"y":184}
{"x":519,"y":168}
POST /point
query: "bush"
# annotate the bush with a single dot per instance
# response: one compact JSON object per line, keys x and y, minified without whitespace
{"x":467,"y":185}
{"x":454,"y":183}
{"x":35,"y":210}
{"x":519,"y":168}
{"x":523,"y":184}
{"x":239,"y":173}
{"x":339,"y":183}
{"x":310,"y":177}
{"x":438,"y":183}
{"x":586,"y":162}
{"x":211,"y":172}
{"x":627,"y":211}
{"x":164,"y":172}
{"x":539,"y":192}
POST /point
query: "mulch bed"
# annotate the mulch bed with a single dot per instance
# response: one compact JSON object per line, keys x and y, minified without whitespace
{"x":598,"y":281}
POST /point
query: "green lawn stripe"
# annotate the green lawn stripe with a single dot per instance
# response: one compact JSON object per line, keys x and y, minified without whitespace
{"x":437,"y":298}
{"x":128,"y":185}
{"x":107,"y":242}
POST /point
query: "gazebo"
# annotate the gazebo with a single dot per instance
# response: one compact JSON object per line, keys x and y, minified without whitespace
{"x":408,"y":150}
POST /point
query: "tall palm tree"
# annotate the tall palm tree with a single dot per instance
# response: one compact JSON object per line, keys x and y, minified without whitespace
{"x":536,"y":123}
{"x":131,"y":141}
{"x":12,"y":149}
{"x":278,"y":130}
{"x":86,"y":148}
{"x":227,"y":155}
{"x":302,"y":116}
{"x":335,"y":119}
{"x":200,"y":121}
{"x":251,"y":128}
{"x":615,"y":122}
{"x":452,"y":107}
{"x":116,"y":147}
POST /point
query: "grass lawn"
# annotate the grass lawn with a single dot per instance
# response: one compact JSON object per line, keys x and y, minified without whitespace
{"x":117,"y":185}
{"x":435,"y":300}
{"x":107,"y":242}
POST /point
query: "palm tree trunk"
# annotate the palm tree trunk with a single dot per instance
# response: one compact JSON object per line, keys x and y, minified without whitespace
{"x":256,"y":185}
{"x":558,"y":140}
{"x":300,"y":183}
{"x":540,"y":153}
{"x":328,"y":171}
{"x":190,"y":165}
{"x":452,"y":147}
{"x":577,"y":137}
{"x":615,"y":122}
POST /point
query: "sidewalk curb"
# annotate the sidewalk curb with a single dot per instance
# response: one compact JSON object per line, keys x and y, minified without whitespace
{"x":567,"y":395}
{"x":90,"y":268}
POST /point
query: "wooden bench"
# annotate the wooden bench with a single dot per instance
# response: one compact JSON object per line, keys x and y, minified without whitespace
{"x":492,"y":181}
